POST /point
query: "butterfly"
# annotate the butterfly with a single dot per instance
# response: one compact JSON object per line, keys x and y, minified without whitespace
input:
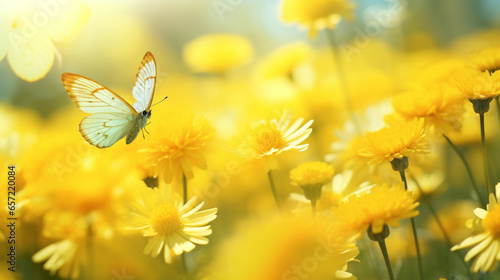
{"x":111,"y":117}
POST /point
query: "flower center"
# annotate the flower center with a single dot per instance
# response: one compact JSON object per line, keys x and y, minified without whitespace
{"x":492,"y":221}
{"x":165,"y":219}
{"x":268,"y":137}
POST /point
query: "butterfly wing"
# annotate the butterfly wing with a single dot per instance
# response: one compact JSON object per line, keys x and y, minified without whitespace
{"x":111,"y":116}
{"x":92,"y":97}
{"x":104,"y":129}
{"x":145,"y":82}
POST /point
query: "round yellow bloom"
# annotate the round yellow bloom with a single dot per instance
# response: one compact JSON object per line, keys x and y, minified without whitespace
{"x":27,"y":39}
{"x":68,"y":255}
{"x":175,"y":227}
{"x":381,"y":205}
{"x":274,"y":248}
{"x":269,"y":139}
{"x":439,"y":106}
{"x":487,"y":60}
{"x":399,"y":139}
{"x":177,"y":147}
{"x":217,"y":53}
{"x":475,"y":84}
{"x":311,"y":174}
{"x":283,"y":61}
{"x":487,"y":240}
{"x":317,"y":14}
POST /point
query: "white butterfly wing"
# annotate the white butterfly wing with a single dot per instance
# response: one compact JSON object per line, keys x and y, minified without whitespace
{"x":144,"y":85}
{"x":92,"y":97}
{"x":104,"y":129}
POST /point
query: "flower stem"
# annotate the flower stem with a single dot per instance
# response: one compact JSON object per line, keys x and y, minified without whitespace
{"x":467,"y":168}
{"x":438,"y":221}
{"x":485,"y":159}
{"x":184,"y":195}
{"x":90,"y":252}
{"x":417,"y":247}
{"x":400,"y":165}
{"x":341,"y":73}
{"x":498,"y":107}
{"x":184,"y":188}
{"x":273,"y":189}
{"x":313,"y":206}
{"x":383,"y":249}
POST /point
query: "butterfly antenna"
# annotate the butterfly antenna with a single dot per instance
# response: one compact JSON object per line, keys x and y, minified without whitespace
{"x":159,"y":101}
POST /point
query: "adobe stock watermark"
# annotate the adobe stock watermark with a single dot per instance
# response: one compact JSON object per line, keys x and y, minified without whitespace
{"x":73,"y":158}
{"x":379,"y":19}
{"x":220,"y":180}
{"x":121,"y":276}
{"x":310,"y":264}
{"x":223,"y":6}
{"x":30,"y":26}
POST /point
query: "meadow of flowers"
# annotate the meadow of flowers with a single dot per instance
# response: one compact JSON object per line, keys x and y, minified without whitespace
{"x":322,"y":139}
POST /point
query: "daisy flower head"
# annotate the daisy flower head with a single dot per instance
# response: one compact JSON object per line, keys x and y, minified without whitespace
{"x":479,"y":87}
{"x":270,"y":138}
{"x":381,"y":205}
{"x":397,"y":140}
{"x":29,"y":42}
{"x":68,"y":255}
{"x":179,"y":145}
{"x":173,"y":226}
{"x":217,"y":53}
{"x":487,"y":60}
{"x":284,"y":61}
{"x":316,"y":15}
{"x":311,"y":176}
{"x":439,"y":105}
{"x":486,"y":240}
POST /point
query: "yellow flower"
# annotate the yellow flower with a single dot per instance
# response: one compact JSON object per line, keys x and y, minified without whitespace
{"x":285,"y":249}
{"x":381,"y":205}
{"x":477,"y":85}
{"x":311,"y":176}
{"x":173,"y":226}
{"x":269,"y":139}
{"x":397,"y":140}
{"x":217,"y":53}
{"x":332,"y":194}
{"x":283,"y":61}
{"x":65,"y":256}
{"x":439,"y":106}
{"x":487,"y":60}
{"x":68,"y":255}
{"x":486,"y":241}
{"x":316,"y":15}
{"x":311,"y":173}
{"x":28,"y":31}
{"x":178,"y":146}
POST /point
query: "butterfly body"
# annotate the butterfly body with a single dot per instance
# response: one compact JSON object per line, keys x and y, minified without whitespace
{"x":111,"y":117}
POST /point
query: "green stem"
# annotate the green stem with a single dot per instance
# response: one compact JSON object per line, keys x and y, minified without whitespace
{"x":498,"y":107}
{"x":438,"y":221}
{"x":414,"y":230}
{"x":313,"y":206}
{"x":184,"y":188}
{"x":273,"y":189}
{"x":341,"y":74}
{"x":417,"y":247}
{"x":90,"y":252}
{"x":184,"y":195}
{"x":467,"y":168}
{"x":485,"y":159}
{"x":383,"y":249}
